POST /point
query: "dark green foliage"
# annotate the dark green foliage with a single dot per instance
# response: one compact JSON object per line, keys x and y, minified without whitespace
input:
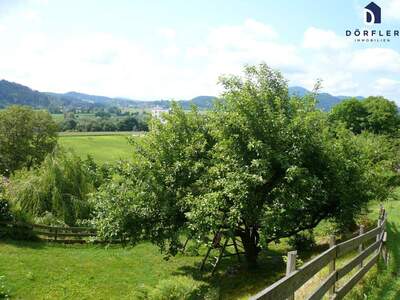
{"x":60,"y":186}
{"x":302,"y":241}
{"x":374,"y":114}
{"x":5,"y":213}
{"x":26,"y":137}
{"x":352,"y":113}
{"x":383,"y":115}
{"x":104,"y":122}
{"x":18,"y":231}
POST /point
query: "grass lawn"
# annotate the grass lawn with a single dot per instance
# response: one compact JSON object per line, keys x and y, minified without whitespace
{"x":48,"y":271}
{"x":103,"y":148}
{"x":36,"y":270}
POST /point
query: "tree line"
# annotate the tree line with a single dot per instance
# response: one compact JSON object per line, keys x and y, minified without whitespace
{"x":111,"y":119}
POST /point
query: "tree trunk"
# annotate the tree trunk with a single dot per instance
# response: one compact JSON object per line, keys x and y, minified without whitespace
{"x":250,"y":240}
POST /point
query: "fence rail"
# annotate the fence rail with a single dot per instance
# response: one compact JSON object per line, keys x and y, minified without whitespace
{"x":54,"y":233}
{"x":286,"y":287}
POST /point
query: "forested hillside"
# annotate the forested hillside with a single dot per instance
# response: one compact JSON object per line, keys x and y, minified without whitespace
{"x":13,"y":93}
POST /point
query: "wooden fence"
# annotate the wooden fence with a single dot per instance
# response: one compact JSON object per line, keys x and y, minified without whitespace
{"x":369,"y":245}
{"x":53,"y":233}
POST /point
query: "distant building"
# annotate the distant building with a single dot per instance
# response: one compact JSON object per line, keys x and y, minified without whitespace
{"x":157,"y":112}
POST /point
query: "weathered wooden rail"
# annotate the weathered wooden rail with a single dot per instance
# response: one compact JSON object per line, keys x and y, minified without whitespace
{"x":55,"y":233}
{"x":369,"y":245}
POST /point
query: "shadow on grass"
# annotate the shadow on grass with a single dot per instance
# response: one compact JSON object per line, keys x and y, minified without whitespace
{"x":24,"y":244}
{"x":235,"y":280}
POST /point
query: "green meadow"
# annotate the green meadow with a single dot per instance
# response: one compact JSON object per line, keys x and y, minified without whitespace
{"x":103,"y":147}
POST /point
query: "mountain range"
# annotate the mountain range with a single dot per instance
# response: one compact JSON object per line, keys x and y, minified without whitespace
{"x":13,"y":93}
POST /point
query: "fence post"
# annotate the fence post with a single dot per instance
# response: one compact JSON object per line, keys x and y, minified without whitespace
{"x":332,"y":265}
{"x":291,"y":267}
{"x":381,"y":211}
{"x":384,"y":240}
{"x":361,"y":247}
{"x":378,"y":236}
{"x":55,"y":234}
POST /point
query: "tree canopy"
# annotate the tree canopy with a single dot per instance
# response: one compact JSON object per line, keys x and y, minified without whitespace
{"x":373,"y":114}
{"x":252,"y":166}
{"x":26,"y":137}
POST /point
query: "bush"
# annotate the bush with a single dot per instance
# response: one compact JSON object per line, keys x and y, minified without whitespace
{"x":60,"y":186}
{"x":303,"y":241}
{"x":49,"y":219}
{"x":5,"y":214}
{"x":177,"y":288}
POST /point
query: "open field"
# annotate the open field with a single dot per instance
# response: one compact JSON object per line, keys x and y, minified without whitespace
{"x":99,"y":133}
{"x":103,"y":148}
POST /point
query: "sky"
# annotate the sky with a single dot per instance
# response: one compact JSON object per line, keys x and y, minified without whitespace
{"x":177,"y":49}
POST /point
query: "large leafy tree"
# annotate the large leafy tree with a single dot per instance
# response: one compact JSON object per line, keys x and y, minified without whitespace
{"x":261,"y":164}
{"x":383,"y":115}
{"x":352,"y":113}
{"x":374,"y":114}
{"x":26,"y":137}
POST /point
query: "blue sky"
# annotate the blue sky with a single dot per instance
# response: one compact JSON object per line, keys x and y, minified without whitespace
{"x":177,"y":49}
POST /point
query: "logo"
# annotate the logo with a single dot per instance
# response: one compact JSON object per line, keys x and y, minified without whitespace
{"x":372,"y":14}
{"x":367,"y":32}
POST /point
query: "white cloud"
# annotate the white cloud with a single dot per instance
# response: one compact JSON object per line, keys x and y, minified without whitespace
{"x":239,"y":36}
{"x":229,"y":47}
{"x":171,"y":51}
{"x":391,"y":8}
{"x":167,"y":33}
{"x":387,"y":85}
{"x":315,"y":38}
{"x":197,"y":52}
{"x":376,"y":59}
{"x":30,"y":16}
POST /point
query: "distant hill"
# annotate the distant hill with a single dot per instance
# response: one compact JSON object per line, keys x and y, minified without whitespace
{"x":13,"y":93}
{"x":325,"y":101}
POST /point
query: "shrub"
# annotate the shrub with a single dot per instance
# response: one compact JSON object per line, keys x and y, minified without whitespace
{"x":49,"y":219}
{"x":303,"y":241}
{"x":5,"y":214}
{"x":60,"y":186}
{"x":177,"y":288}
